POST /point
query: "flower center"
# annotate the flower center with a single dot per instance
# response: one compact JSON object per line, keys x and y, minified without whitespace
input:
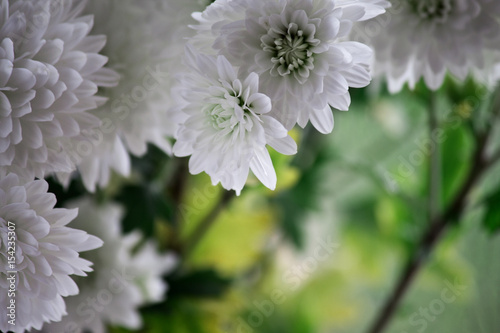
{"x":216,"y":115}
{"x":222,"y":112}
{"x":433,"y":10}
{"x":290,"y":51}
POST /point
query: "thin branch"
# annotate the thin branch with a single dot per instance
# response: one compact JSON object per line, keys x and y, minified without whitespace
{"x":435,"y":161}
{"x":433,"y":234}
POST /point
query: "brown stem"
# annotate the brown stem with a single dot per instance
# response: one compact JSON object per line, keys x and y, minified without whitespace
{"x":177,"y":185}
{"x":174,"y":188}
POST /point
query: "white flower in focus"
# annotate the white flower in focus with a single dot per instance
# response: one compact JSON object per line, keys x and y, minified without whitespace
{"x":50,"y":71}
{"x":124,"y":277}
{"x":228,"y":126}
{"x":297,"y":47}
{"x":145,"y":45}
{"x":429,"y":38}
{"x":46,"y":253}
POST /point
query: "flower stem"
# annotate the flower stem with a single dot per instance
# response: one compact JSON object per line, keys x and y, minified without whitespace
{"x":434,"y":161}
{"x":177,"y":175}
{"x":204,"y":226}
{"x":433,"y":233}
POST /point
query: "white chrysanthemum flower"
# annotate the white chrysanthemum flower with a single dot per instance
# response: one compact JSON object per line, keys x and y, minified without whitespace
{"x":125,"y":277}
{"x":228,"y":126}
{"x":428,"y":38}
{"x":145,"y":45}
{"x":50,"y":71}
{"x":46,"y":253}
{"x":298,"y":49}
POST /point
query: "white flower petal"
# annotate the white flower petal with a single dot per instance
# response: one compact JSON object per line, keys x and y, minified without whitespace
{"x":286,"y":145}
{"x":322,"y":120}
{"x":262,"y":167}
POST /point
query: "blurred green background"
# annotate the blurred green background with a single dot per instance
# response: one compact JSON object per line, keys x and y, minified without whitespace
{"x":323,"y":252}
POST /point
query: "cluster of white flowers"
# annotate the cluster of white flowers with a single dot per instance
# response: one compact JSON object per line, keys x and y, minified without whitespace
{"x":145,"y":46}
{"x":53,"y":122}
{"x":123,"y":279}
{"x":258,"y":68}
{"x":430,"y":38}
{"x":46,"y":253}
{"x":297,"y":57}
{"x":50,"y":73}
{"x":78,"y":97}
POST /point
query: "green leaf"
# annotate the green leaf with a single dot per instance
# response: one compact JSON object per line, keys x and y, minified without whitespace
{"x":492,"y":216}
{"x":393,"y":216}
{"x":143,"y":206}
{"x":139,"y":209}
{"x":74,"y":190}
{"x":205,"y":283}
{"x":456,"y":151}
{"x":304,"y":197}
{"x":151,"y":164}
{"x":313,"y":157}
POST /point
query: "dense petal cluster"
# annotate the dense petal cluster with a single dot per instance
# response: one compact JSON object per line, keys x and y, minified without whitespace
{"x":145,"y":45}
{"x":228,"y":126}
{"x":46,"y":253}
{"x":429,"y":38}
{"x":297,"y":47}
{"x":126,"y":275}
{"x":50,"y":71}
